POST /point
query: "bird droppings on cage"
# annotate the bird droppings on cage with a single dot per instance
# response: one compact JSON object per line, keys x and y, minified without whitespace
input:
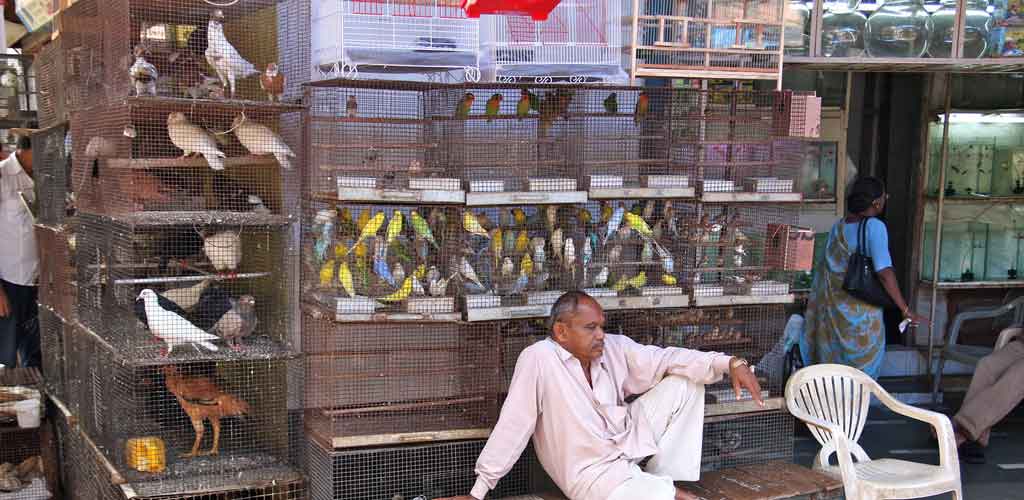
{"x":187,"y":291}
{"x":136,"y":159}
{"x":433,"y":470}
{"x":378,"y":384}
{"x":152,"y":50}
{"x":381,"y":262}
{"x":201,"y":418}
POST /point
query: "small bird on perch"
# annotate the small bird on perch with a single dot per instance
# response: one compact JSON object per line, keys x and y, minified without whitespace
{"x":224,"y":249}
{"x":143,"y":73}
{"x":272,"y":82}
{"x":260,"y":140}
{"x":190,"y":139}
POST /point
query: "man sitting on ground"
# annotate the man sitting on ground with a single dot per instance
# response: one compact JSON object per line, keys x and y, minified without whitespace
{"x":568,"y":393}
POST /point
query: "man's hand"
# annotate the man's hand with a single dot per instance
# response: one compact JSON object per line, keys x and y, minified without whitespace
{"x":743,"y":378}
{"x":5,"y":306}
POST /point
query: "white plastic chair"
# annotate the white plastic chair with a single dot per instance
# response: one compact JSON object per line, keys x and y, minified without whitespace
{"x":833,"y":401}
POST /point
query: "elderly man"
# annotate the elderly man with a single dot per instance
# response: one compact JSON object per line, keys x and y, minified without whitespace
{"x":569,"y":390}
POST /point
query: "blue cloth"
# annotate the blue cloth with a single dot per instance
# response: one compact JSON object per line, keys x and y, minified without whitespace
{"x":877,"y":237}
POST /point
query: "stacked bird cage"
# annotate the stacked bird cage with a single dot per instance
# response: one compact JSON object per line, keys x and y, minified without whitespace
{"x":185,"y":135}
{"x":52,"y":343}
{"x":52,"y":168}
{"x":580,"y":42}
{"x":384,"y":36}
{"x":736,"y":39}
{"x":57,"y":277}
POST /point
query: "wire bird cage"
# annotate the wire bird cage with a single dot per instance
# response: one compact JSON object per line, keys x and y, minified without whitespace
{"x":217,"y":289}
{"x":387,"y":384}
{"x":18,"y":102}
{"x":379,"y":142}
{"x":731,"y":262}
{"x":150,"y":50}
{"x":581,"y":41}
{"x":89,"y":474}
{"x":734,"y":39}
{"x":430,"y":470}
{"x":739,"y":439}
{"x":386,"y":36}
{"x":51,"y":342}
{"x":131,"y":159}
{"x":381,"y":262}
{"x":52,"y":93}
{"x":57,"y":277}
{"x":52,"y":173}
{"x":170,"y":428}
{"x":747,"y":331}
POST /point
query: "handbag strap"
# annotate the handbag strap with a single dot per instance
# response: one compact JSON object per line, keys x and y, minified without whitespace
{"x":862,"y":232}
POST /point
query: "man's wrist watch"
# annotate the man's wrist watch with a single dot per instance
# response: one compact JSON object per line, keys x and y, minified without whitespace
{"x":735,"y":362}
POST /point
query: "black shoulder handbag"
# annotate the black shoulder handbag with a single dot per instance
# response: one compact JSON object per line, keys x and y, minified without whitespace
{"x":861,"y":280}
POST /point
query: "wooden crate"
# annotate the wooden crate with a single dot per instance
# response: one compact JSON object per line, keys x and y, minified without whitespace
{"x":771,"y":481}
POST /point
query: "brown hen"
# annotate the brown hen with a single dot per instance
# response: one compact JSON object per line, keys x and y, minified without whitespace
{"x":202,"y":399}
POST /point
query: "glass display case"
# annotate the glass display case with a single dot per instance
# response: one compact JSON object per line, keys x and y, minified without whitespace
{"x":982,"y":199}
{"x":894,"y":30}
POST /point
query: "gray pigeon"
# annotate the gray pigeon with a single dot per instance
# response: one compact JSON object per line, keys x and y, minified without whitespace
{"x":240,"y":321}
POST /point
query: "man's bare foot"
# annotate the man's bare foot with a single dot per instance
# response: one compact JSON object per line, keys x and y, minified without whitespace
{"x":685,"y":495}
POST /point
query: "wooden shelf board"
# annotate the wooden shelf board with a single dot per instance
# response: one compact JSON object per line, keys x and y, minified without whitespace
{"x":395,"y":196}
{"x":729,"y":405}
{"x":906,"y":65}
{"x":977,"y":200}
{"x":742,"y":197}
{"x":222,"y":104}
{"x":742,"y":300}
{"x":976,"y":285}
{"x":521,"y":197}
{"x":194,"y":162}
{"x":642,"y":193}
{"x":712,"y":74}
{"x":359,"y":119}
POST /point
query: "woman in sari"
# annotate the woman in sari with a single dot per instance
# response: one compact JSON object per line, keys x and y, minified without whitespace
{"x":839,"y":328}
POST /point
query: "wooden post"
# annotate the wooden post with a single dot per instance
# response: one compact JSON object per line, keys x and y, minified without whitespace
{"x":943,"y":164}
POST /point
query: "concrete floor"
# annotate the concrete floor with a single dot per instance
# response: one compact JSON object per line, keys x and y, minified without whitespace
{"x":889,"y":435}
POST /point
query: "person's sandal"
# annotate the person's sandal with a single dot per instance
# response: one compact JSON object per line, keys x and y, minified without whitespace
{"x":972,"y":453}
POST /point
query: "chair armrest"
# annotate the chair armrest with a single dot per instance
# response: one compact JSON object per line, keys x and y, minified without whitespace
{"x":948,"y":457}
{"x":1006,"y":336}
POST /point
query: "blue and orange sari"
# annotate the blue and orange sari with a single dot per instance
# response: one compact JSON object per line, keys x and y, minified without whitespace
{"x":839,"y":328}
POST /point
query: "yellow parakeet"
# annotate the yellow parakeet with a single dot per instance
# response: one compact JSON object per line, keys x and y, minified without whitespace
{"x":364,"y":217}
{"x":668,"y":279}
{"x":584,"y":216}
{"x":420,"y":272}
{"x":394,"y":227}
{"x":496,"y":239}
{"x":472,"y":225}
{"x":637,"y":281}
{"x":522,"y":241}
{"x":401,"y":294}
{"x":606,"y":212}
{"x":371,"y":227}
{"x":638,"y":224}
{"x":345,"y":278}
{"x":526,"y":265}
{"x":327,"y":273}
{"x":340,"y":251}
{"x":519,"y":216}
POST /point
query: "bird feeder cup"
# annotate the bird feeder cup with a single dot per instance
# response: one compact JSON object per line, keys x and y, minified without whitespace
{"x":538,"y":10}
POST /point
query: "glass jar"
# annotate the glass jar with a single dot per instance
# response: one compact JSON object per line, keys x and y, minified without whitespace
{"x":899,"y":28}
{"x":798,"y":28}
{"x":842,"y":29}
{"x":977,"y":25}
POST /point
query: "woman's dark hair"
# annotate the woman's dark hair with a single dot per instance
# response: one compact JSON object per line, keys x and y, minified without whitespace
{"x":862,"y":193}
{"x":24,"y":142}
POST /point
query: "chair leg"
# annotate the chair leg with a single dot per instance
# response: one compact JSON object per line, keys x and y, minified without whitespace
{"x":937,"y":379}
{"x":958,"y":493}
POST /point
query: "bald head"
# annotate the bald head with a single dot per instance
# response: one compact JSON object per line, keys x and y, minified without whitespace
{"x":577,"y":324}
{"x":567,"y":305}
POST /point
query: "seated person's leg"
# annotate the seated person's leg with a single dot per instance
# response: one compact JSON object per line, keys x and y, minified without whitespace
{"x":988,"y":405}
{"x":643,"y":486}
{"x":675,"y":409}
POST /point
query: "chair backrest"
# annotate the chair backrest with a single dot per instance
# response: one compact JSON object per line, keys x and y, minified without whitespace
{"x":837,"y":394}
{"x":1007,"y":335}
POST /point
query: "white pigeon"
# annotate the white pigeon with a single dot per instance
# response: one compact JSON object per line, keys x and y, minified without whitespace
{"x":190,"y":138}
{"x":260,"y":140}
{"x":224,"y":249}
{"x":170,"y":327}
{"x":223,"y":57}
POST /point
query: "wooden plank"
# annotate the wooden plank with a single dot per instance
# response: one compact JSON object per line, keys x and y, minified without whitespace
{"x":976,"y":285}
{"x":408,"y":438}
{"x":643,"y":193}
{"x":771,"y":481}
{"x":733,"y":407}
{"x":247,"y":161}
{"x":520,"y":197}
{"x":742,"y":300}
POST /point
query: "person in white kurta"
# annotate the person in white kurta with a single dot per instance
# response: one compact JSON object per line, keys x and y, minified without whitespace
{"x":568,"y":393}
{"x":19,"y":260}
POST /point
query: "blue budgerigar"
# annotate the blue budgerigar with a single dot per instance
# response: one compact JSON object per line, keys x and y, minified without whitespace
{"x":323,"y":226}
{"x":615,"y":221}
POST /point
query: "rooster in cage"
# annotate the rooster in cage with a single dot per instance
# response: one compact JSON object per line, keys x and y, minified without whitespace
{"x":202,"y":400}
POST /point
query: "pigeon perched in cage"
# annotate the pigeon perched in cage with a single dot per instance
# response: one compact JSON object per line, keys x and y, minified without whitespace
{"x":260,"y":140}
{"x":190,"y":138}
{"x":187,"y":296}
{"x":143,"y":73}
{"x":224,"y":249}
{"x":238,"y":322}
{"x":139,"y":308}
{"x":272,"y":82}
{"x":223,"y":57}
{"x":210,"y":307}
{"x":171,"y":327}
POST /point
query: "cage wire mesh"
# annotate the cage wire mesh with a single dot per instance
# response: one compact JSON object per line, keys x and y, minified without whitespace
{"x":581,"y":41}
{"x":745,"y":439}
{"x":185,"y":289}
{"x":51,"y":166}
{"x":378,"y":142}
{"x":371,"y":262}
{"x":371,"y":383}
{"x":131,"y":159}
{"x":172,"y":427}
{"x":349,"y":37}
{"x":711,"y":39}
{"x":54,"y":359}
{"x":57,"y":278}
{"x":53,"y":90}
{"x":723,"y":114}
{"x":152,"y":50}
{"x":430,"y":470}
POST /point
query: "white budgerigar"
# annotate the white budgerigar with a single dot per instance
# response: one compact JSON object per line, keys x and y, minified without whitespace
{"x":170,"y":327}
{"x":190,"y":138}
{"x":224,"y":249}
{"x":223,"y":57}
{"x":260,"y":140}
